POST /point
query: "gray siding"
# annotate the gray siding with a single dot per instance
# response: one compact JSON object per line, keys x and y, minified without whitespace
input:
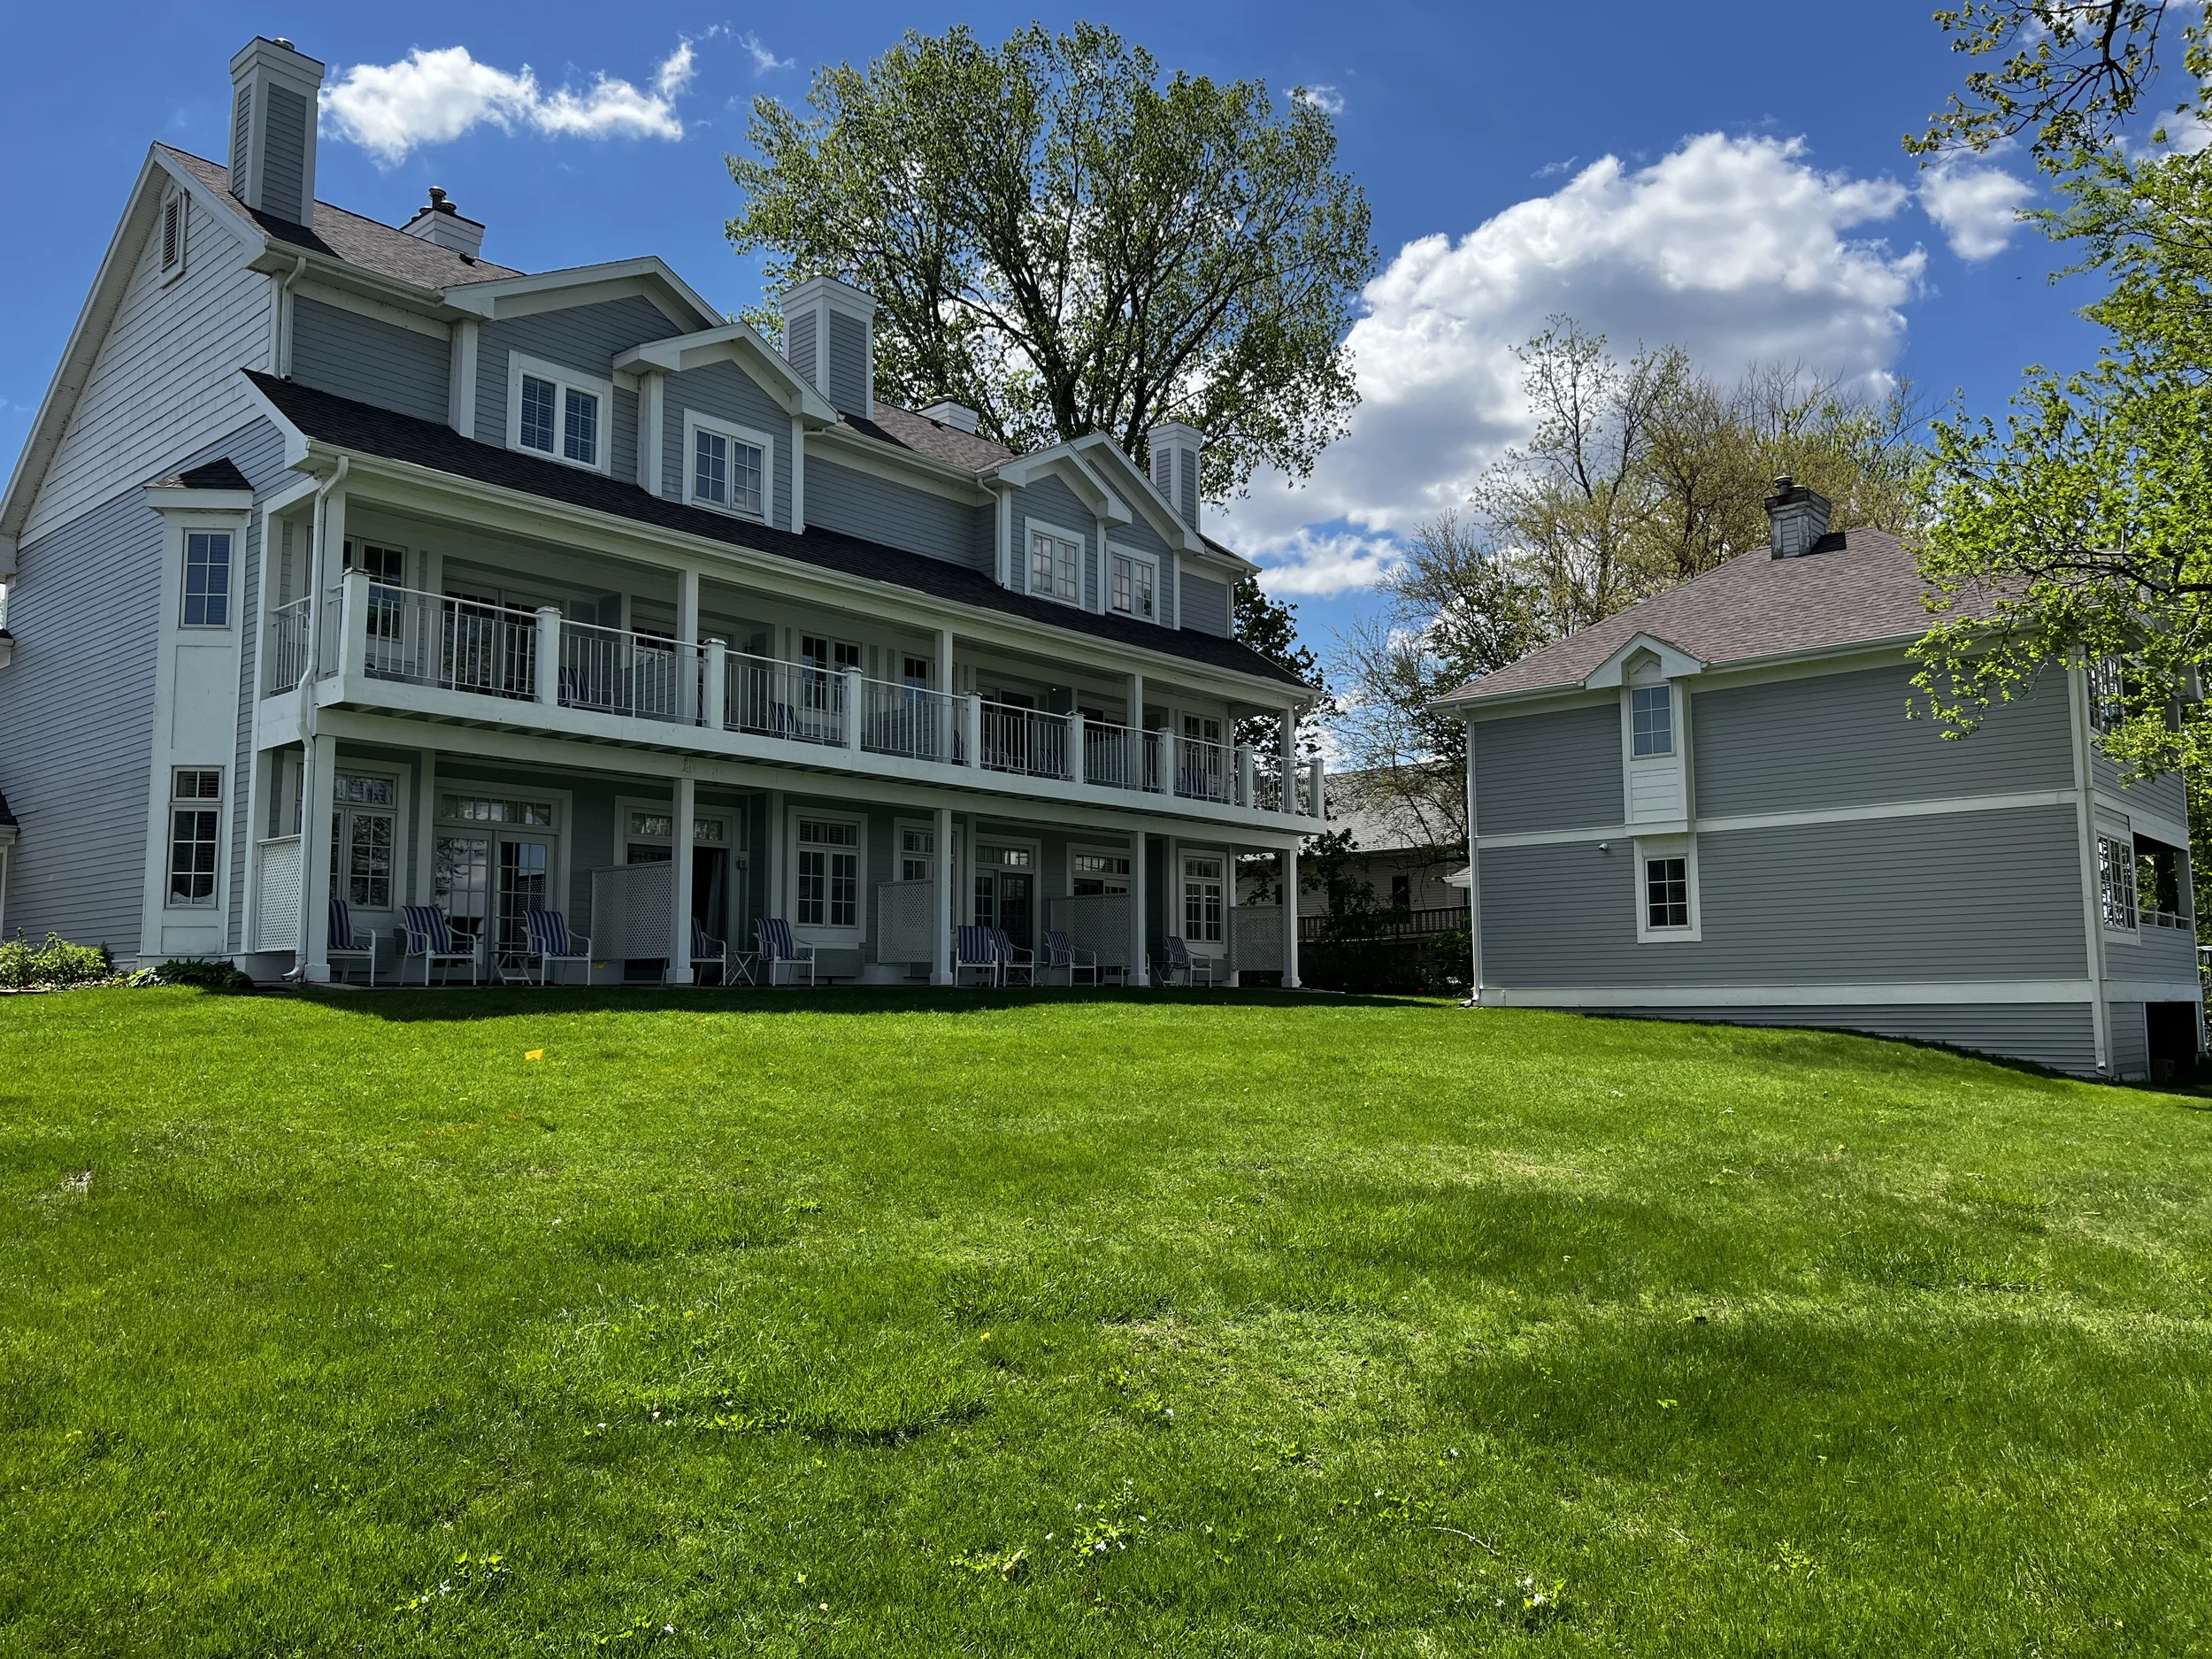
{"x":1206,"y":605}
{"x":259,"y":454}
{"x":583,"y":337}
{"x":1545,"y":771}
{"x":1053,"y":501}
{"x":800,"y":346}
{"x":846,"y":384}
{"x":2159,"y":953}
{"x":369,"y":361}
{"x":2060,"y":1035}
{"x":2165,"y":795}
{"x":1137,"y":536}
{"x":241,"y":126}
{"x":860,"y":504}
{"x":1975,"y":896}
{"x":726,"y":392}
{"x":1843,"y":740}
{"x":284,"y":166}
{"x":2131,"y":1040}
{"x":1186,"y":503}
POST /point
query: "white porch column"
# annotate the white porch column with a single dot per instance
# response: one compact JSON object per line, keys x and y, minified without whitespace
{"x":1316,"y":805}
{"x":1290,"y":918}
{"x":1244,"y":775}
{"x":426,"y":832}
{"x":714,"y":679}
{"x":943,"y":685}
{"x":687,"y":646}
{"x":680,"y":833}
{"x":941,"y":867}
{"x":1138,"y":972}
{"x":1286,"y":759}
{"x":1170,"y":777}
{"x":548,"y":687}
{"x":1075,"y":746}
{"x":779,"y":888}
{"x":353,"y":624}
{"x":318,"y":823}
{"x":854,"y":707}
{"x":972,"y":729}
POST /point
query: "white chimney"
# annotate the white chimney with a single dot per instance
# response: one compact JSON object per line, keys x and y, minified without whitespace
{"x":442,"y":225}
{"x":274,"y":90}
{"x":1175,"y":447}
{"x":1797,"y":517}
{"x":959,"y":417}
{"x":829,"y":336}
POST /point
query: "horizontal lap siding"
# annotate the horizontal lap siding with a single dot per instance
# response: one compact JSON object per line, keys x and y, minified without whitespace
{"x":1975,"y":896}
{"x":369,"y":361}
{"x":586,"y":338}
{"x":1843,"y":740}
{"x":1049,"y":501}
{"x":848,"y":379}
{"x":2060,"y":1035}
{"x":722,"y":391}
{"x":165,"y":382}
{"x":1206,"y":605}
{"x":2165,"y":795}
{"x":859,"y":504}
{"x":2131,"y":1040}
{"x":2156,"y":953}
{"x":258,"y":452}
{"x":1546,"y":772}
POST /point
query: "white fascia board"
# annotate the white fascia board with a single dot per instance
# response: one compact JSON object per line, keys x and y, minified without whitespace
{"x":733,"y":343}
{"x":1061,"y":461}
{"x":298,"y":453}
{"x":483,"y":299}
{"x":1674,"y":662}
{"x":1102,"y":452}
{"x":176,"y":498}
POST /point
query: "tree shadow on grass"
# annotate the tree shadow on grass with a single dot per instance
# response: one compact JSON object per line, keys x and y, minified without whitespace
{"x":440,"y":1005}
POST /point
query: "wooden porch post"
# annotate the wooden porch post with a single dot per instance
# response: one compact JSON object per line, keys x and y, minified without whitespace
{"x":679,"y":835}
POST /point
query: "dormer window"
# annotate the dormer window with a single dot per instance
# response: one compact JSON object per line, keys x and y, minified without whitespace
{"x":557,"y":413}
{"x":1056,"y":564}
{"x":1651,"y":713}
{"x":729,"y":466}
{"x":1130,"y":590}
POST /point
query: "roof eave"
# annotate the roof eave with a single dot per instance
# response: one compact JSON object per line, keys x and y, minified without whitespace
{"x":482,"y":299}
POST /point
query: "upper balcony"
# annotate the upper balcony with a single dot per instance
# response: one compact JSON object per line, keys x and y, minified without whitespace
{"x":439,"y":656}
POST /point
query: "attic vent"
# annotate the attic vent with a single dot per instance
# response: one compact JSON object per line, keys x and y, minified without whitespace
{"x":173,"y":231}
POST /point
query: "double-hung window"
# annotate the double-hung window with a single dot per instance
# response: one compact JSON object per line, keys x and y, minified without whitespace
{"x":828,"y":873}
{"x":1651,"y":720}
{"x":559,"y":412}
{"x":1666,"y":893}
{"x":1055,"y":566}
{"x":728,"y":467}
{"x":362,"y":850}
{"x":1130,"y":588}
{"x":206,"y":578}
{"x":1202,"y":899}
{"x":2115,"y":883}
{"x":196,"y":795}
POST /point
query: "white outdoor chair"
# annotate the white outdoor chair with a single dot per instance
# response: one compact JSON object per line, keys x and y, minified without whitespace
{"x":1062,"y":957}
{"x":1184,"y":964}
{"x":548,"y":942}
{"x":430,"y":936}
{"x":772,"y":934}
{"x":348,"y":940}
{"x":708,"y":951}
{"x":1012,"y":959}
{"x":974,"y":949}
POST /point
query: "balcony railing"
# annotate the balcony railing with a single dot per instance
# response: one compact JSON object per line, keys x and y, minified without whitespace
{"x":497,"y":651}
{"x":285,"y":644}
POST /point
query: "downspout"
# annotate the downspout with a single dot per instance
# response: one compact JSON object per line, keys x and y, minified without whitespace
{"x":307,"y":691}
{"x":1474,"y":880}
{"x":280,"y":348}
{"x":2093,"y":887}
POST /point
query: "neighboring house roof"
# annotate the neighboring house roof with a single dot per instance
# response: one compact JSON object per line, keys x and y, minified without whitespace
{"x":1856,"y":586}
{"x":221,"y":474}
{"x":931,"y":438}
{"x":348,"y":236}
{"x":366,"y":429}
{"x":1376,"y":811}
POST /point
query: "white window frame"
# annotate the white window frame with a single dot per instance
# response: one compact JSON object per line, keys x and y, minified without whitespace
{"x":565,"y":380}
{"x":2106,"y":679}
{"x":1666,"y":697}
{"x":1124,"y":854}
{"x":827,"y":932}
{"x":695,"y":423}
{"x":1227,"y":881}
{"x":1134,"y":558}
{"x":1032,"y":528}
{"x":2110,"y":835}
{"x":173,"y":200}
{"x":234,"y":533}
{"x":1682,"y":847}
{"x":732,"y":820}
{"x":403,"y":821}
{"x":213,"y":806}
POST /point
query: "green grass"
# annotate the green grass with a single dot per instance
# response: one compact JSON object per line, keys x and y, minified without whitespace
{"x":852,"y":1323}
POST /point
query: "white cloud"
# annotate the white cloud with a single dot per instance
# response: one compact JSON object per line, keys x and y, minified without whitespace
{"x":1736,"y":248}
{"x":1323,"y":97}
{"x":764,"y":60}
{"x":1323,"y":562}
{"x":433,"y":97}
{"x":1978,"y":209}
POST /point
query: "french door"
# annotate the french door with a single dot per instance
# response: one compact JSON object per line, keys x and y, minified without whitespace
{"x":488,"y":884}
{"x":1006,"y":893}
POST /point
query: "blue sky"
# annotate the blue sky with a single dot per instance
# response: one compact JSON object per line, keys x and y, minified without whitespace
{"x":1726,"y":174}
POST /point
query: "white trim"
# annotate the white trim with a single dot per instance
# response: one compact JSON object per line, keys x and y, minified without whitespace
{"x":461,"y":386}
{"x":824,"y":933}
{"x":1674,"y":662}
{"x":1106,"y":582}
{"x":650,"y":276}
{"x":695,"y":423}
{"x":2153,"y":991}
{"x":1912,"y":993}
{"x":737,"y":343}
{"x":652,"y":416}
{"x":1942,"y":806}
{"x":564,"y":379}
{"x":1031,"y":527}
{"x":363,"y":305}
{"x":798,"y":478}
{"x":1682,"y":847}
{"x":1078,"y":850}
{"x":2091,"y":890}
{"x":736,"y":823}
{"x":403,"y":817}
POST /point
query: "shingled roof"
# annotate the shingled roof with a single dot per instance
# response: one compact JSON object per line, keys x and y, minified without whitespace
{"x":369,"y":430}
{"x":1854,"y":587}
{"x":348,"y":236}
{"x":931,"y":438}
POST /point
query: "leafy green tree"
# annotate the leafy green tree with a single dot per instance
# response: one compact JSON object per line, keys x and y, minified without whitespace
{"x":1070,"y":241}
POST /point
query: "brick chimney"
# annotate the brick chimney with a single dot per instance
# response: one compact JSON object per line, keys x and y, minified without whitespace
{"x":275,"y":90}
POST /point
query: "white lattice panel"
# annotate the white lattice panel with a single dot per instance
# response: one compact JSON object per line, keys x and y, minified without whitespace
{"x":633,"y":910}
{"x":904,"y":910}
{"x":1255,"y":938}
{"x":1097,"y":922}
{"x":276,"y":897}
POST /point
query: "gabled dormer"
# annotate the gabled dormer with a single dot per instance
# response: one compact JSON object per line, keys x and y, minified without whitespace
{"x":1655,"y":704}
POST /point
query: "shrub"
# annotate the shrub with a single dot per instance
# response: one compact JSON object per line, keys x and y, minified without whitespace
{"x":213,"y":973}
{"x":56,"y":961}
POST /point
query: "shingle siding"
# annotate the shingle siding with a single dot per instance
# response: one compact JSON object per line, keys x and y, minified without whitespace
{"x":586,"y":338}
{"x":2060,"y":1035}
{"x":1548,"y":772}
{"x":375,"y":362}
{"x":860,"y":504}
{"x":162,"y":384}
{"x":1842,"y":740}
{"x":1971,"y":897}
{"x":723,"y":391}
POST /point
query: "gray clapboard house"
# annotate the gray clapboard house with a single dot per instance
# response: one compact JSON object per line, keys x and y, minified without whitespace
{"x":1711,"y":806}
{"x":344,"y":563}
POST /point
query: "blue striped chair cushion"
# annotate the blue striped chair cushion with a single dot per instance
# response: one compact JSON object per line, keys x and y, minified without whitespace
{"x":549,"y":933}
{"x":699,"y":951}
{"x":1058,"y":951}
{"x":976,"y":945}
{"x":1003,"y":945}
{"x":426,"y":931}
{"x":341,"y":927}
{"x":775,"y":940}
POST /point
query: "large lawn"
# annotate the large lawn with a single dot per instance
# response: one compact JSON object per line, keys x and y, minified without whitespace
{"x":869,"y":1325}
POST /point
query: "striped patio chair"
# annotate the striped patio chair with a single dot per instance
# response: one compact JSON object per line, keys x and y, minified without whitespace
{"x":707,"y":951}
{"x":346,"y":940}
{"x":1184,"y":965}
{"x":772,"y":934}
{"x":548,"y":941}
{"x":1062,"y":956}
{"x":430,"y":936}
{"x":974,"y":948}
{"x":1012,"y":959}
